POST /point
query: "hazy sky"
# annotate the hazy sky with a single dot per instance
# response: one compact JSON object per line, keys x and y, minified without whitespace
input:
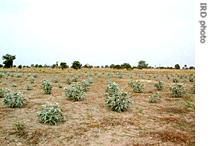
{"x":98,"y":32}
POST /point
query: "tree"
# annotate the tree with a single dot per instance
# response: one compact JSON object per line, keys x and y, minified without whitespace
{"x":126,"y":65}
{"x":112,"y":66}
{"x":191,"y":67}
{"x":142,"y":64}
{"x":8,"y":60}
{"x":63,"y":65}
{"x":87,"y":66}
{"x":19,"y":66}
{"x":177,"y":66}
{"x":76,"y":65}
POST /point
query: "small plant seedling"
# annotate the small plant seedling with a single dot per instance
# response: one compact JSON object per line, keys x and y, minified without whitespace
{"x":154,"y":98}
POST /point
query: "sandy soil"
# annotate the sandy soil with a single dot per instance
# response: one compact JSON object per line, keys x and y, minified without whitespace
{"x":171,"y":122}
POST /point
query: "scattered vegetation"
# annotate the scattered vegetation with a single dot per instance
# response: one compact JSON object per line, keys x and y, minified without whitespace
{"x":177,"y":90}
{"x":154,"y":98}
{"x":47,"y":87}
{"x":14,"y":99}
{"x":137,"y":86}
{"x":3,"y":92}
{"x":75,"y":92}
{"x":50,"y":114}
{"x":159,"y":85}
{"x":115,"y":99}
{"x":19,"y":128}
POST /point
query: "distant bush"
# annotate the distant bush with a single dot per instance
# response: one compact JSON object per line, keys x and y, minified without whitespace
{"x":14,"y":99}
{"x":154,"y":98}
{"x":63,"y":65}
{"x":159,"y":85}
{"x":137,"y":86}
{"x":73,"y":78}
{"x":50,"y":114}
{"x":177,"y":90}
{"x":47,"y":87}
{"x":85,"y":85}
{"x":76,"y":65}
{"x":75,"y":92}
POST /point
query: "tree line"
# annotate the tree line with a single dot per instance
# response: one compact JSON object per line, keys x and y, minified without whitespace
{"x":8,"y":63}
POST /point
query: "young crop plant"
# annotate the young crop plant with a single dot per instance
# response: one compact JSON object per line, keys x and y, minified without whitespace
{"x":177,"y":90}
{"x":112,"y":88}
{"x":50,"y":114}
{"x":118,"y":102}
{"x":14,"y":100}
{"x":85,"y":84}
{"x":3,"y":92}
{"x":47,"y":87}
{"x":72,"y":79}
{"x":159,"y":85}
{"x":75,"y":92}
{"x":115,"y":99}
{"x":19,"y":128}
{"x":154,"y":98}
{"x":136,"y":86}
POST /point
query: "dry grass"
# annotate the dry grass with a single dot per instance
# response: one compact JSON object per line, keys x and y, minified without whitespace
{"x":169,"y":122}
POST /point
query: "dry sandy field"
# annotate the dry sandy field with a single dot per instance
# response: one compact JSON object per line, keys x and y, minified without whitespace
{"x":169,"y":122}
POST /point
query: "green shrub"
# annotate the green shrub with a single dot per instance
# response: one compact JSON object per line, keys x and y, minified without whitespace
{"x":14,"y":99}
{"x":50,"y":114}
{"x":137,"y":86}
{"x":85,"y":84}
{"x":112,"y":88}
{"x":116,"y":99}
{"x":154,"y":98}
{"x":177,"y":90}
{"x":75,"y":92}
{"x":3,"y":92}
{"x":47,"y":87}
{"x":118,"y":102}
{"x":159,"y":85}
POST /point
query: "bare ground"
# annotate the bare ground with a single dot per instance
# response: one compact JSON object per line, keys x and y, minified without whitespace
{"x":167,"y":123}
